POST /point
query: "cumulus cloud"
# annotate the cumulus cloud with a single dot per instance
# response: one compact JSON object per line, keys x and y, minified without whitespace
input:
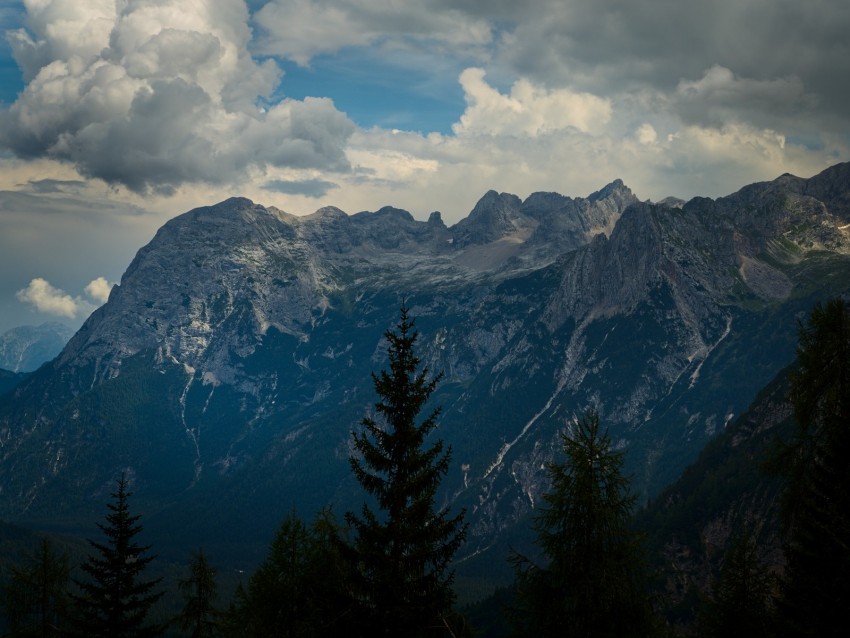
{"x":646,"y":134}
{"x":528,"y":110}
{"x":44,"y":297}
{"x":674,"y":98}
{"x":152,"y":94}
{"x":53,"y":301}
{"x":99,"y":289}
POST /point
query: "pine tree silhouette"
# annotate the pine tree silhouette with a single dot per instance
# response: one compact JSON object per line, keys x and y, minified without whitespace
{"x":401,"y":552}
{"x":114,"y":601}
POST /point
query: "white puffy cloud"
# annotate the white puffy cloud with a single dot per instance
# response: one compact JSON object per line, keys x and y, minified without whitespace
{"x":528,"y":109}
{"x":152,"y":94}
{"x":46,"y":298}
{"x":53,"y":301}
{"x":63,"y":30}
{"x":99,"y":289}
{"x":646,"y":134}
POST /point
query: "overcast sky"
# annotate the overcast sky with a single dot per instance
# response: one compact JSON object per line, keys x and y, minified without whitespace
{"x":116,"y":115}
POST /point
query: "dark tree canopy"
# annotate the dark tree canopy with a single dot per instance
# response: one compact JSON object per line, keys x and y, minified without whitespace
{"x":115,"y":600}
{"x":816,"y":590}
{"x":36,"y":596}
{"x":401,"y":551}
{"x":594,"y":584}
{"x":300,"y":588}
{"x":741,"y":596}
{"x":200,"y":617}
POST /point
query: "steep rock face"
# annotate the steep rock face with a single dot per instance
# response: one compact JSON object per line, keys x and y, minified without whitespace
{"x":579,"y":219}
{"x":217,"y":276}
{"x":230,"y":365}
{"x":495,"y":216}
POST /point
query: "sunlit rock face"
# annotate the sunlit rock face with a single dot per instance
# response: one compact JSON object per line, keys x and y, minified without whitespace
{"x":228,"y":369}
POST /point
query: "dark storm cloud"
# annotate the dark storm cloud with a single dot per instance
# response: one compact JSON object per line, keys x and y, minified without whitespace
{"x":36,"y":205}
{"x":719,"y":97}
{"x":43,"y":186}
{"x":787,"y":57}
{"x":309,"y":187}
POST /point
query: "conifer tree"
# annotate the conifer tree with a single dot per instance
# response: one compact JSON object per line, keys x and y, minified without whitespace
{"x":401,"y":550}
{"x":199,"y":617}
{"x":36,"y":601}
{"x":276,"y":592}
{"x":741,"y":597}
{"x":816,"y":589}
{"x":298,"y":590}
{"x":115,"y":600}
{"x":595,"y":583}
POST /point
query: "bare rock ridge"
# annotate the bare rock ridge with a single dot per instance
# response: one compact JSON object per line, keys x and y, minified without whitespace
{"x":230,"y":365}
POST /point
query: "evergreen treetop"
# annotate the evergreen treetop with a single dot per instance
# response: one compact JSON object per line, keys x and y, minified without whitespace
{"x":401,"y":553}
{"x":595,"y":582}
{"x":114,"y":601}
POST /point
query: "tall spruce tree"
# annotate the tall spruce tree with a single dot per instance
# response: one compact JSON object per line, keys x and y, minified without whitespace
{"x":595,"y":582}
{"x":401,"y":553}
{"x":115,"y":600}
{"x":816,"y":590}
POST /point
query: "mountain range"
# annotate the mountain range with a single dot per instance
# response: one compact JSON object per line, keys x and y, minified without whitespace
{"x":228,"y":369}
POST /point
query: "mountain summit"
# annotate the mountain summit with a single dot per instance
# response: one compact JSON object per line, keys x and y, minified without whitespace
{"x":227,"y":370}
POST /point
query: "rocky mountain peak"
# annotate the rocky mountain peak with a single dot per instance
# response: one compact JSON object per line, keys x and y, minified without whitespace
{"x":615,"y":189}
{"x":436,"y":219}
{"x":495,"y":216}
{"x":326,"y":212}
{"x":830,"y":186}
{"x":671,"y":202}
{"x":390,"y":212}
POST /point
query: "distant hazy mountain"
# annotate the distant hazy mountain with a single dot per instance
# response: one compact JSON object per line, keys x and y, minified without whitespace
{"x":25,"y":348}
{"x":231,"y":364}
